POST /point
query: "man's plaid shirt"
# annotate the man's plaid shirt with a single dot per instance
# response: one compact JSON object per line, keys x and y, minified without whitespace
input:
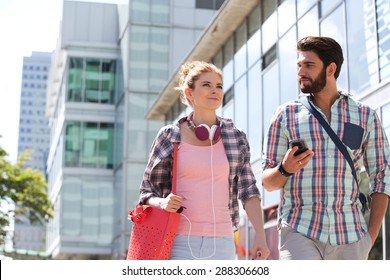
{"x":321,"y":200}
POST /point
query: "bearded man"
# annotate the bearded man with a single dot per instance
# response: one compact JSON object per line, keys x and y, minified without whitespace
{"x":320,"y":215}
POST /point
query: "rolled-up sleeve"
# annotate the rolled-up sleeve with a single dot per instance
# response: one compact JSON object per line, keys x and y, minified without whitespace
{"x":377,"y":158}
{"x":247,"y":187}
{"x":275,"y":145}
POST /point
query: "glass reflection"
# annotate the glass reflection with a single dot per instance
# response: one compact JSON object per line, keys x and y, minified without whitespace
{"x":308,"y":24}
{"x":271,"y":96}
{"x":362,"y":61}
{"x":304,"y":5}
{"x":254,"y":48}
{"x":383,"y":12}
{"x":241,"y":104}
{"x":286,"y":15}
{"x":240,"y":51}
{"x":268,"y":24}
{"x":288,"y":73}
{"x":327,"y":6}
{"x":330,"y":27}
{"x":255,"y":114}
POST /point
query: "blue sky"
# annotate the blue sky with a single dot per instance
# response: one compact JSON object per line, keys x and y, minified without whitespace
{"x":25,"y":26}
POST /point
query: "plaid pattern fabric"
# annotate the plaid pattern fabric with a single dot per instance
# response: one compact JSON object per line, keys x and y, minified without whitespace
{"x":321,"y":201}
{"x":242,"y":183}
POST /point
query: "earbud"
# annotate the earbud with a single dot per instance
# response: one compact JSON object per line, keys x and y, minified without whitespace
{"x":203,"y":131}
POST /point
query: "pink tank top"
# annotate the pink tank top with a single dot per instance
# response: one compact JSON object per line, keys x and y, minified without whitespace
{"x":196,"y":178}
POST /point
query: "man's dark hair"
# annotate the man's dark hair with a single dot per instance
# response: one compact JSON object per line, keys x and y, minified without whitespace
{"x":327,"y":49}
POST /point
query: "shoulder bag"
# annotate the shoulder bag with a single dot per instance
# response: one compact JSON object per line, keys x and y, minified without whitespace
{"x":154,"y":229}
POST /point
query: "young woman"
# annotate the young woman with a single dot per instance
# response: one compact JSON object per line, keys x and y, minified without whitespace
{"x":213,"y":172}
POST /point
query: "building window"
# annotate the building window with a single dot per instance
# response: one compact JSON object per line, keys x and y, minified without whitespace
{"x":240,"y":51}
{"x":89,"y":145}
{"x":254,"y":36}
{"x":269,"y":57}
{"x":269,"y":24}
{"x":149,"y":58}
{"x":91,"y":80}
{"x":361,"y":43}
{"x":208,"y":4}
{"x":228,"y":67}
{"x":386,"y":119}
{"x":228,"y":104}
{"x":327,"y":6}
{"x":154,"y":11}
{"x":72,"y":144}
{"x":227,"y":97}
{"x":383,"y":10}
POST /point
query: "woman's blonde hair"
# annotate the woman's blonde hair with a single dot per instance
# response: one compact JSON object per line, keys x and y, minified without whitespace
{"x":190,"y":73}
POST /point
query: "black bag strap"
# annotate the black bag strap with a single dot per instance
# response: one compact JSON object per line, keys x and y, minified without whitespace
{"x":332,"y":134}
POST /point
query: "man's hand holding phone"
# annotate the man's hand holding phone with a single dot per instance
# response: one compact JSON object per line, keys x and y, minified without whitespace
{"x":295,"y":160}
{"x":301,"y":144}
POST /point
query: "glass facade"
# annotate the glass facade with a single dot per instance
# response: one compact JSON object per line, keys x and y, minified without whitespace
{"x":209,"y":4}
{"x":87,"y":207}
{"x":259,"y":67}
{"x":149,"y":57}
{"x":150,"y":11}
{"x":91,"y":80}
{"x":33,"y":125}
{"x":82,"y":90}
{"x":362,"y":57}
{"x":33,"y":137}
{"x":101,"y":139}
{"x":382,"y":14}
{"x":383,"y":247}
{"x":159,"y":33}
{"x":89,"y":145}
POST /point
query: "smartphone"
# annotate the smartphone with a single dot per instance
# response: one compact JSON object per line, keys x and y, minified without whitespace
{"x":302,"y":147}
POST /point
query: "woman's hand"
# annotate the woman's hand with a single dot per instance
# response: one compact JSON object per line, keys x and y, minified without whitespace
{"x":260,"y":250}
{"x":172,"y":203}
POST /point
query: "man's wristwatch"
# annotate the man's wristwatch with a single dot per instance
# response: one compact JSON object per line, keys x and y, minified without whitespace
{"x":282,"y":171}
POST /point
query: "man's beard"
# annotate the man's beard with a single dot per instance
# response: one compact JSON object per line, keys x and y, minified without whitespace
{"x":317,"y":84}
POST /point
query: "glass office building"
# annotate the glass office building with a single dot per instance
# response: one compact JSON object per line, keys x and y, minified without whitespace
{"x":33,"y":136}
{"x":81,"y":109}
{"x":254,"y":43}
{"x":33,"y":128}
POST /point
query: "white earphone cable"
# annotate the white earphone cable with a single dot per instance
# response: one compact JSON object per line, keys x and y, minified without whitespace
{"x":213,"y":209}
